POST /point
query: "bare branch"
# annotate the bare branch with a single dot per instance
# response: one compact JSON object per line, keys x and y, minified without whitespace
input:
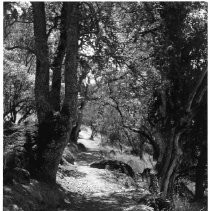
{"x":21,"y":48}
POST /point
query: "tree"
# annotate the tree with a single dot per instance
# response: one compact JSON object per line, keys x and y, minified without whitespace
{"x":54,"y":128}
{"x":167,"y":71}
{"x":142,"y":66}
{"x":182,"y":65}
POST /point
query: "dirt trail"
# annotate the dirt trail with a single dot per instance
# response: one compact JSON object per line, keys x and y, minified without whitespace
{"x":79,"y":187}
{"x":96,"y":189}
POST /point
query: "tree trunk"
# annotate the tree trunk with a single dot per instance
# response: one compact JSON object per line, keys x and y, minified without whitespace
{"x":57,"y":64}
{"x":53,"y":133}
{"x":167,"y":154}
{"x":76,"y":129}
{"x":71,"y":86}
{"x":168,"y":180}
{"x":172,"y":180}
{"x":54,"y":128}
{"x":170,"y":162}
{"x":200,"y":174}
{"x":42,"y":61}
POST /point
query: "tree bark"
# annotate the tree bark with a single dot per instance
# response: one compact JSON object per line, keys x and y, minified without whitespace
{"x":55,"y":128}
{"x":57,"y":64}
{"x":76,"y":129}
{"x":167,"y":155}
{"x":42,"y":61}
{"x":69,"y":107}
{"x":170,"y":162}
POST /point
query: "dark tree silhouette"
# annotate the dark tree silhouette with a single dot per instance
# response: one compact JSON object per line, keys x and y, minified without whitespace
{"x":54,"y":128}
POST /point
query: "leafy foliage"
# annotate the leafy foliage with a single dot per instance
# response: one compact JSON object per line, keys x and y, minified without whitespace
{"x":141,"y":73}
{"x":18,"y":91}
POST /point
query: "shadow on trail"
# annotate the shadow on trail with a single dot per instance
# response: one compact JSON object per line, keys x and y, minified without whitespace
{"x":96,"y":189}
{"x":118,"y":201}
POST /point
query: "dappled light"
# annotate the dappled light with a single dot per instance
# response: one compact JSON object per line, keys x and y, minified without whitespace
{"x":105,"y":106}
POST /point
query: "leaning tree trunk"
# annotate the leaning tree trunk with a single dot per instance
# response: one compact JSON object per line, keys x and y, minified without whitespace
{"x":54,"y":128}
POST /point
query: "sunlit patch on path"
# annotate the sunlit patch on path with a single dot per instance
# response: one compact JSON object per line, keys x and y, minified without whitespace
{"x":100,"y":189}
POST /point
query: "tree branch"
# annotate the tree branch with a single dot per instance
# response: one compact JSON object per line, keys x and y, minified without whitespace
{"x":194,"y":92}
{"x":21,"y":48}
{"x":55,"y":24}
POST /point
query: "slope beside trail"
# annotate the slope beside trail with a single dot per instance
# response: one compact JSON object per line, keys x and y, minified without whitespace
{"x":95,"y":189}
{"x":80,"y":187}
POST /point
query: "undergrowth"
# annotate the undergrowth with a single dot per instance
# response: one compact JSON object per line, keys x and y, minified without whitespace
{"x":182,"y":204}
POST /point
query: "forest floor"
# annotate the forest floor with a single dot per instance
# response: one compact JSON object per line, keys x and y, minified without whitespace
{"x":82,"y":188}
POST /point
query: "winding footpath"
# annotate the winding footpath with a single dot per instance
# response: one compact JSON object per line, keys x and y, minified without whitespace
{"x":92,"y":189}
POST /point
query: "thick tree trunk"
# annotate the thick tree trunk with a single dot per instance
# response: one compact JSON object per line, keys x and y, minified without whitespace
{"x":71,"y":86}
{"x":57,"y":64}
{"x":42,"y":61}
{"x":53,"y":135}
{"x":54,"y":128}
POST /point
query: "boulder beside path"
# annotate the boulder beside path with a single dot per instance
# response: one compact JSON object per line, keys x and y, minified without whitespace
{"x":114,"y":165}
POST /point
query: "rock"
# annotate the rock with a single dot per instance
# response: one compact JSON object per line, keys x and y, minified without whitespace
{"x":114,"y":165}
